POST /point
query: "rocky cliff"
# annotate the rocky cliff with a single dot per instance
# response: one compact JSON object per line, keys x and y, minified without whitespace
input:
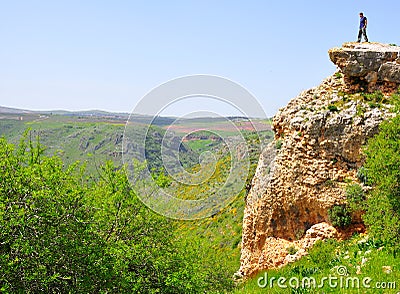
{"x":368,"y":66}
{"x":315,"y":154}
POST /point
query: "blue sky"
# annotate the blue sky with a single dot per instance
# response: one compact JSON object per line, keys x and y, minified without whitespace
{"x":108,"y":54}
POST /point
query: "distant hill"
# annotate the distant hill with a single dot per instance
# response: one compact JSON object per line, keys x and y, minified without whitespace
{"x":219,"y":123}
{"x":95,"y":112}
{"x":8,"y":110}
{"x":96,"y":136}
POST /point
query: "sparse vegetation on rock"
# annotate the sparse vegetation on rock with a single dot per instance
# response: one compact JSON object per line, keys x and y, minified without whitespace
{"x":339,"y":216}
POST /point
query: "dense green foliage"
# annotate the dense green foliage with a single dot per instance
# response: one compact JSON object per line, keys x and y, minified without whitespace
{"x":62,"y":232}
{"x":355,"y":197}
{"x":104,"y":239}
{"x":46,"y":240}
{"x":383,"y":172}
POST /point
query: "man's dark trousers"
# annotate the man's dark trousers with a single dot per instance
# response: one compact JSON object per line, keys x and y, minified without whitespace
{"x":362,"y":32}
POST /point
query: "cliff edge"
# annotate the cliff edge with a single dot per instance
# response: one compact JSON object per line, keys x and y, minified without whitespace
{"x":315,"y":155}
{"x":368,"y":66}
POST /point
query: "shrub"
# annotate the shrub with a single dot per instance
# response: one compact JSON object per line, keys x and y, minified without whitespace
{"x":374,"y":99}
{"x":162,"y":180}
{"x":47,"y":243}
{"x":362,"y":175}
{"x":323,"y":253}
{"x":330,"y":183}
{"x":291,"y":250}
{"x":360,"y":110}
{"x":374,"y":105}
{"x":338,"y":75}
{"x":339,"y":216}
{"x":62,"y":233}
{"x":278,"y":144}
{"x":355,"y":196}
{"x":332,"y":108}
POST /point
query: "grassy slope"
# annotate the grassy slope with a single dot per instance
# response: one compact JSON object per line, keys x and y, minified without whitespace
{"x":359,"y":258}
{"x":72,"y":140}
{"x":93,"y":141}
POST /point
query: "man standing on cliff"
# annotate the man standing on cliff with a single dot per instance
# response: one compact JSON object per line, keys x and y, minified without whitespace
{"x":363,"y":28}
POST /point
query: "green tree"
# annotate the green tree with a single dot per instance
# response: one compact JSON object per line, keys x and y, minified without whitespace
{"x":63,"y":233}
{"x":150,"y":257}
{"x":46,"y":241}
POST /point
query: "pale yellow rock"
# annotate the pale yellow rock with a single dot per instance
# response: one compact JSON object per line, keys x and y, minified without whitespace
{"x":288,"y":206}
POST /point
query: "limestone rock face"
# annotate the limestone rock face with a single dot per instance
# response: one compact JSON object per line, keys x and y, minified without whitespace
{"x":316,"y":153}
{"x":368,"y":66}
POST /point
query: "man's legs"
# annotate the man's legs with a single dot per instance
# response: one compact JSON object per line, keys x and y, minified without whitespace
{"x":359,"y":35}
{"x":364,"y":31}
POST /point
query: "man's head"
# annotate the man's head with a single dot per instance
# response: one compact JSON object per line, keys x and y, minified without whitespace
{"x":361,"y":14}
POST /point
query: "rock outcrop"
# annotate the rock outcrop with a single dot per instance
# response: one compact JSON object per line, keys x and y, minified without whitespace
{"x":315,"y":154}
{"x":368,"y":66}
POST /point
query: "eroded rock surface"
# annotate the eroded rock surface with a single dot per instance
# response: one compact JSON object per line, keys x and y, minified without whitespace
{"x":315,"y":154}
{"x":368,"y":66}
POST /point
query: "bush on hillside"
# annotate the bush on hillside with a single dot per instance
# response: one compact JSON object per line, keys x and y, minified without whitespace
{"x":63,"y":233}
{"x":383,"y":172}
{"x":355,"y":197}
{"x":339,"y":216}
